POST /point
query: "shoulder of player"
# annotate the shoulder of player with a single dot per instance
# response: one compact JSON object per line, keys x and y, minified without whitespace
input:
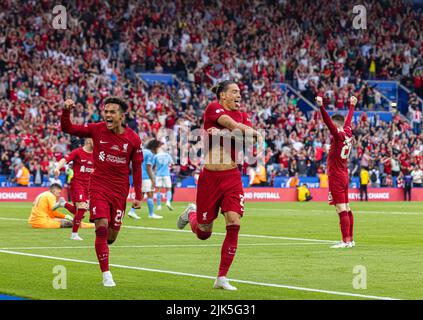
{"x":214,"y":107}
{"x":133,"y":136}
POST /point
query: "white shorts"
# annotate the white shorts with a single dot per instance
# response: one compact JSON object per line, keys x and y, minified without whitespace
{"x":163,"y":182}
{"x":146,"y":185}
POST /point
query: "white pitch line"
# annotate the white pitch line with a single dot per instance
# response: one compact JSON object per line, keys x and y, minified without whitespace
{"x":328,"y":211}
{"x":215,"y":233}
{"x":169,"y":246}
{"x":13,"y":219}
{"x":224,"y":234}
{"x":204,"y":277}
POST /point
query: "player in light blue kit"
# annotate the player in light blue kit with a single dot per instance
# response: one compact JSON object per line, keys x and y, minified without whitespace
{"x":148,"y":179}
{"x":162,"y":162}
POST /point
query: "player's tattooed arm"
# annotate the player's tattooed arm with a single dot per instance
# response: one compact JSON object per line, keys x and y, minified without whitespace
{"x":59,"y":166}
{"x":229,"y":123}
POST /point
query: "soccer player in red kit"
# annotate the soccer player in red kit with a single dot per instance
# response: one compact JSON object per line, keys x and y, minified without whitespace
{"x":340,"y":148}
{"x":115,"y":146}
{"x":83,"y":166}
{"x":219,"y":184}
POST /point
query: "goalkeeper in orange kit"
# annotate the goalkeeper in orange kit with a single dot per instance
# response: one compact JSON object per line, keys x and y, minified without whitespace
{"x":42,"y":215}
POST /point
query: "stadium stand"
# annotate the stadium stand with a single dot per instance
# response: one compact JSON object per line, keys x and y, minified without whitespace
{"x":164,"y":57}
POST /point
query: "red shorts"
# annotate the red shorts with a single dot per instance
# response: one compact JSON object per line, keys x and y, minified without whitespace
{"x":78,"y":193}
{"x":113,"y":209}
{"x":338,"y":192}
{"x":219,"y":190}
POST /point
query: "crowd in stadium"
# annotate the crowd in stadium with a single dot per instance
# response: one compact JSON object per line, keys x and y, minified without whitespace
{"x":257,"y":43}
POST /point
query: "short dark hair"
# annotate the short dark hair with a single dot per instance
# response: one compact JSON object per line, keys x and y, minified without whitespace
{"x":116,"y":100}
{"x":55,"y":186}
{"x":338,"y":118}
{"x":153,"y":144}
{"x":221,"y":87}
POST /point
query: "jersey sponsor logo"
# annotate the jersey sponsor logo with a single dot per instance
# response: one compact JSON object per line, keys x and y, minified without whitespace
{"x":102,"y":142}
{"x":125,"y":147}
{"x":115,"y":147}
{"x":115,"y":159}
{"x":86,"y":169}
{"x":102,"y":155}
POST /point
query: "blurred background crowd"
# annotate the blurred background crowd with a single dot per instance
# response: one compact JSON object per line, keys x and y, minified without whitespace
{"x":107,"y":44}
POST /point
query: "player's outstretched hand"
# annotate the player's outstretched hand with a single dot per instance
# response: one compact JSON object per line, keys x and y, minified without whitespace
{"x":136,"y":204}
{"x":319,"y":101}
{"x":69,"y":104}
{"x":353,"y":100}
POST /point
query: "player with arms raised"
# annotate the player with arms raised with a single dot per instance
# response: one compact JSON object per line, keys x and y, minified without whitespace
{"x":340,"y":148}
{"x":115,"y":146}
{"x":219,"y":184}
{"x":83,"y":166}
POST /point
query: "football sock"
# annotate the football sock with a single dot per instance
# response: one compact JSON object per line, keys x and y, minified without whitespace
{"x":77,"y":219}
{"x":202,"y":235}
{"x":70,"y":207}
{"x":159,"y":198}
{"x":192,"y":217}
{"x":344,"y":222}
{"x":168,"y":196}
{"x":150,"y":204}
{"x":228,"y":251}
{"x":132,"y":210}
{"x":350,"y":215}
{"x":102,"y":248}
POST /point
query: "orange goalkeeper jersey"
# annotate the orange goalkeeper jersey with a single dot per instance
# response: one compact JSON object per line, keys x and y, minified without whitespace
{"x":41,"y":209}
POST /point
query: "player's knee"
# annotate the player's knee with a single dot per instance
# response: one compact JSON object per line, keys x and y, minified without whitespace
{"x":101,"y":232}
{"x":233,"y":220}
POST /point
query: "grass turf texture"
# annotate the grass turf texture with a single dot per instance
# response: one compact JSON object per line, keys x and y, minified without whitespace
{"x":388,"y":237}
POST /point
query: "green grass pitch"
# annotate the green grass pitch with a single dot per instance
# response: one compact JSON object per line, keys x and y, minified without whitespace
{"x":283,"y":253}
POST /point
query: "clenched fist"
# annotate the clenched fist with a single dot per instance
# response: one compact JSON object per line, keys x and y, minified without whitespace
{"x":353,"y":100}
{"x":319,"y":101}
{"x":69,"y":104}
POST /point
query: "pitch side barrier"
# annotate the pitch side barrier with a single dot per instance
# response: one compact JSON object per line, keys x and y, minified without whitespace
{"x":259,"y":194}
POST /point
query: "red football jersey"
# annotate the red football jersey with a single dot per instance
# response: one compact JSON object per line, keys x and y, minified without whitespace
{"x":112,"y":155}
{"x":213,"y":112}
{"x":340,"y":145}
{"x":83,"y":165}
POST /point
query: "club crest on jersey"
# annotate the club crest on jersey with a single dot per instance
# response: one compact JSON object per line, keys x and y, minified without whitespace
{"x":205,"y":216}
{"x":125,"y":147}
